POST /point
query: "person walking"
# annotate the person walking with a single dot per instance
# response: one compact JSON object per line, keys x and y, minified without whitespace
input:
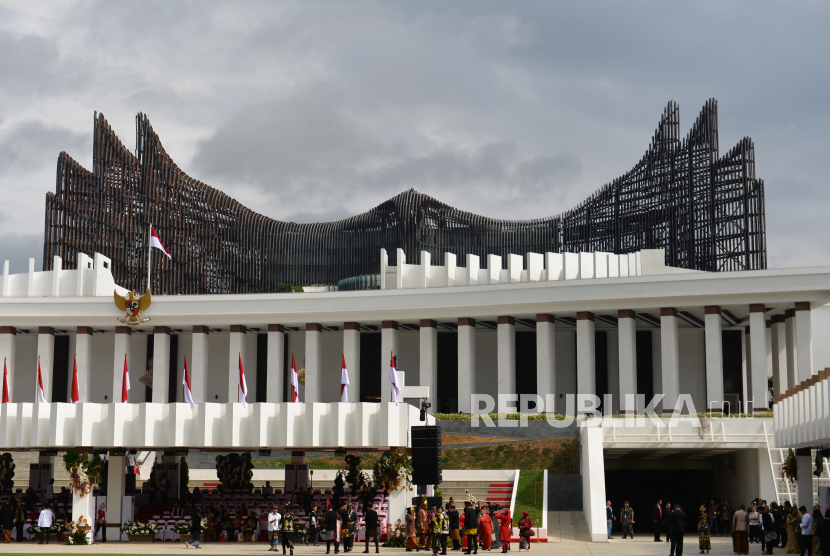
{"x":195,"y":527}
{"x":678,"y":528}
{"x":609,"y":517}
{"x":740,"y":526}
{"x":703,"y":535}
{"x":287,"y":531}
{"x":44,"y":522}
{"x":793,"y":532}
{"x":20,"y":519}
{"x":8,"y":521}
{"x":806,"y":531}
{"x":101,"y":522}
{"x":525,"y":529}
{"x":485,"y":526}
{"x":452,"y":515}
{"x":371,"y":520}
{"x":657,"y":519}
{"x":470,"y":527}
{"x":505,"y":529}
{"x":627,"y":518}
{"x":411,"y":542}
{"x":312,"y":527}
{"x":333,"y":530}
{"x":273,"y":528}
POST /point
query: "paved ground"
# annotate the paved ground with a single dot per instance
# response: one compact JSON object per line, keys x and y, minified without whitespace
{"x":568,"y":536}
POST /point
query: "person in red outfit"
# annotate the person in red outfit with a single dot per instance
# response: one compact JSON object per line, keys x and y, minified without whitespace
{"x":485,"y":529}
{"x":505,"y":529}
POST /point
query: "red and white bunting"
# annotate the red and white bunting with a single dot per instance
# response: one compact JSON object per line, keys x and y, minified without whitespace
{"x":243,"y":386}
{"x":156,"y":242}
{"x":74,"y":396}
{"x":5,"y":382}
{"x":125,"y":382}
{"x":295,"y":383}
{"x":41,"y":396}
{"x":393,"y":378}
{"x":188,"y":393}
{"x":344,"y":382}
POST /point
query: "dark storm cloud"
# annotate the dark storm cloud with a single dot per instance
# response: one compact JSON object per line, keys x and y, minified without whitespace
{"x":319,"y":110}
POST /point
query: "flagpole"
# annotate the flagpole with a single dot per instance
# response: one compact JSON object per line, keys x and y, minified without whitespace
{"x":149,"y":253}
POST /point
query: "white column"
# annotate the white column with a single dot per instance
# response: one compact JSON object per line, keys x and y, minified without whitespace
{"x":714,"y":359}
{"x":161,"y":364}
{"x":388,"y":345}
{"x":804,"y":341}
{"x":7,"y":353}
{"x":779,"y":355}
{"x":276,"y":363}
{"x":83,"y":507}
{"x":351,"y":351}
{"x":670,"y":357}
{"x":466,"y":363}
{"x":429,"y":359}
{"x":627,"y":328}
{"x":83,"y":359}
{"x":197,"y":365}
{"x":545,"y":357}
{"x":116,"y":483}
{"x":586,"y":357}
{"x":313,"y":359}
{"x":46,"y":355}
{"x":792,"y":356}
{"x":121,"y":349}
{"x":507,"y":354}
{"x":237,"y":349}
{"x":758,"y":358}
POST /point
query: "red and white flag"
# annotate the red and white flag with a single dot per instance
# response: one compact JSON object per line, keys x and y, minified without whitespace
{"x":188,"y":393}
{"x":73,"y":394}
{"x":41,"y":397}
{"x":393,"y":378}
{"x":344,"y":383}
{"x":295,"y":383}
{"x":125,"y":382}
{"x":156,"y":242}
{"x":243,"y":386}
{"x":5,"y":382}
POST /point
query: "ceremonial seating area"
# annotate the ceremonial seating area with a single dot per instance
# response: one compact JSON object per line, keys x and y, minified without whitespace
{"x":241,"y":504}
{"x":63,"y":511}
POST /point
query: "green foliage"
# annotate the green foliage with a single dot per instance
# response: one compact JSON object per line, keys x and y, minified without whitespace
{"x":790,"y":468}
{"x":354,"y":476}
{"x":7,"y":467}
{"x":524,"y":495}
{"x":235,"y":471}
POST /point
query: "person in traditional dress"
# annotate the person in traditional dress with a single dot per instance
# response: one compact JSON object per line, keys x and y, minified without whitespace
{"x":455,"y":526}
{"x":287,"y":531}
{"x":463,"y":536}
{"x":703,"y":537}
{"x":526,"y":528}
{"x":793,"y":533}
{"x":471,"y":527}
{"x":411,"y":543}
{"x":423,"y":524}
{"x":485,"y":525}
{"x":817,"y":519}
{"x":505,"y":529}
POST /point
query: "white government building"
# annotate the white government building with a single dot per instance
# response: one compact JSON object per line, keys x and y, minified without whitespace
{"x":548,"y":325}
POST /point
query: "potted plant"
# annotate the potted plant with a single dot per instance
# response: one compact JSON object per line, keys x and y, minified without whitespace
{"x":184,"y":531}
{"x":790,"y":468}
{"x":137,"y":531}
{"x":78,"y":533}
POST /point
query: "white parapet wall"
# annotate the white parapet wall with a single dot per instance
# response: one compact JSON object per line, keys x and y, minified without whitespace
{"x":540,"y":268}
{"x":208,"y":425}
{"x":592,"y":469}
{"x":801,"y":416}
{"x":93,"y":277}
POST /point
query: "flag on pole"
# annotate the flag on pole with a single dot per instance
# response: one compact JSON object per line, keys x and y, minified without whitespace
{"x":188,"y":393}
{"x":393,"y":378}
{"x":344,"y":383}
{"x":5,"y":382}
{"x":243,"y":386}
{"x":156,"y":242}
{"x":295,"y":383}
{"x":73,"y":395}
{"x":125,"y":381}
{"x":41,"y":397}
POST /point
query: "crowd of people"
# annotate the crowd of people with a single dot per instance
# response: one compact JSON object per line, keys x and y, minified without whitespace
{"x":474,"y":527}
{"x":796,"y":530}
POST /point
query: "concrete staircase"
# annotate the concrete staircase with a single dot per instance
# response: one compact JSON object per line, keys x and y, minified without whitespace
{"x":494,"y":492}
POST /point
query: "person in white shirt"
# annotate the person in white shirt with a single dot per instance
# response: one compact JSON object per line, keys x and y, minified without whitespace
{"x":44,"y":522}
{"x":274,"y":528}
{"x":806,"y":531}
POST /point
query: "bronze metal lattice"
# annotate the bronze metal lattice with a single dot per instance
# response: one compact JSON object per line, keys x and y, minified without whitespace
{"x":707,"y":212}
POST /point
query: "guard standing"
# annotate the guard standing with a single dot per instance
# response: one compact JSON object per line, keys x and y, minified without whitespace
{"x":627,"y":518}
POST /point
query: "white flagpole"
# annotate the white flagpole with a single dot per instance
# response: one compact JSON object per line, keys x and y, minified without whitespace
{"x":149,"y":253}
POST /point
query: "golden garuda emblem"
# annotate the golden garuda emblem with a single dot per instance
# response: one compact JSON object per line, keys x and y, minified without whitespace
{"x":132,"y":305}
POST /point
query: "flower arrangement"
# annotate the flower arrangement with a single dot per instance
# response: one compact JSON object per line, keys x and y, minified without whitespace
{"x":790,"y":469}
{"x":139,"y":528}
{"x":300,"y":532}
{"x":55,"y":528}
{"x":393,"y":470}
{"x":395,"y":535}
{"x":235,"y":471}
{"x":78,"y":532}
{"x":83,"y":472}
{"x":352,"y":471}
{"x":6,"y":471}
{"x":182,"y":528}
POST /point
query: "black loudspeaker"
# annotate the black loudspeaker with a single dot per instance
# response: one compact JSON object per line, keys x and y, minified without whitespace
{"x":426,"y":455}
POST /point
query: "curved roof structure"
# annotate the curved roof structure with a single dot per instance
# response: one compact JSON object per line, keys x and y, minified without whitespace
{"x":707,"y":212}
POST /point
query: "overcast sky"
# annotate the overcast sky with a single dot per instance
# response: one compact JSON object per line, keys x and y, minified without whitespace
{"x":312,"y":111}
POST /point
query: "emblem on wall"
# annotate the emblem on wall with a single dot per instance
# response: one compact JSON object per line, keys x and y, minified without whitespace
{"x":132,"y":307}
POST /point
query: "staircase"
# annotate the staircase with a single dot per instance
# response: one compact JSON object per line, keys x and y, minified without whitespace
{"x":784,"y":488}
{"x":485,"y":491}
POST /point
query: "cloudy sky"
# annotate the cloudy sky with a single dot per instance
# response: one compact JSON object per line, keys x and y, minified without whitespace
{"x":311,"y":111}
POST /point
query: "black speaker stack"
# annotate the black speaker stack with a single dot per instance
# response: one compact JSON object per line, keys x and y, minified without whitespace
{"x":426,"y":455}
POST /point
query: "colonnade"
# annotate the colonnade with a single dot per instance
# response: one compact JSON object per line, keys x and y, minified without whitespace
{"x":779,"y":345}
